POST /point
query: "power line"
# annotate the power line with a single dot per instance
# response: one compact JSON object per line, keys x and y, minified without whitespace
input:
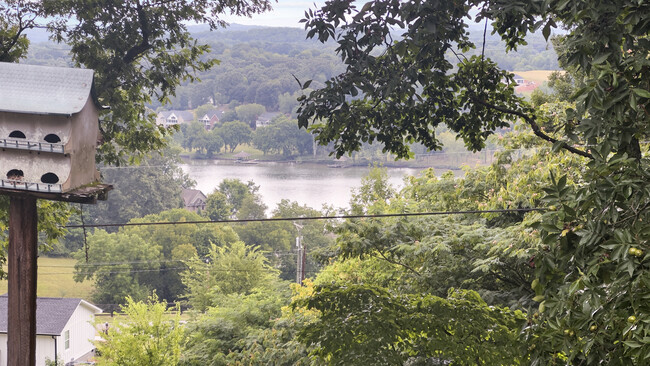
{"x":149,"y":270}
{"x":99,"y":264}
{"x":108,"y":264}
{"x":125,"y":271}
{"x":435,"y":213}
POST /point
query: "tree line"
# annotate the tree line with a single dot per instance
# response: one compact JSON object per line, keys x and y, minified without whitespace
{"x":281,"y":136}
{"x":260,"y":65}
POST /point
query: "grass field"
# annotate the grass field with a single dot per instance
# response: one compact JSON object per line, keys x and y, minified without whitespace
{"x":55,"y":279}
{"x":538,"y":76}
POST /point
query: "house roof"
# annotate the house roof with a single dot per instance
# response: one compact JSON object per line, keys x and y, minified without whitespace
{"x":191,"y":195}
{"x":213,"y":113}
{"x":52,"y":313}
{"x":242,"y":155}
{"x":43,"y":89}
{"x":186,"y":116}
{"x":268,"y":116}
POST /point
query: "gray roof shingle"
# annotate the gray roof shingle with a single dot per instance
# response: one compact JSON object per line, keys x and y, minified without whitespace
{"x":190,"y":196}
{"x":43,"y":89}
{"x":52,"y":314}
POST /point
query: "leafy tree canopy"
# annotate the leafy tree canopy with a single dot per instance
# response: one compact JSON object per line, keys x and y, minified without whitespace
{"x":155,"y":259}
{"x":139,"y":50}
{"x":153,"y":186}
{"x":234,"y":268}
{"x":592,"y":267}
{"x":242,"y":199}
{"x":119,"y":264}
{"x":228,"y":332}
{"x":413,"y":329}
{"x":283,"y":136}
{"x":249,"y":112}
{"x":235,"y":133}
{"x":147,"y":335}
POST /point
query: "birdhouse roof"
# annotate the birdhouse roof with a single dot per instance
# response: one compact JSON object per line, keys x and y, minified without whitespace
{"x":43,"y":89}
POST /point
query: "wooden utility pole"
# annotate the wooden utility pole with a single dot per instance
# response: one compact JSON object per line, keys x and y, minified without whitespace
{"x":23,"y":251}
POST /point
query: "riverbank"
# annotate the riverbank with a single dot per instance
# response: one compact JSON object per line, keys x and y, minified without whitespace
{"x":438,"y":160}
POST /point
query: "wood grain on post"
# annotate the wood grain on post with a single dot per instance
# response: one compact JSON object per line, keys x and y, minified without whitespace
{"x":23,"y":234}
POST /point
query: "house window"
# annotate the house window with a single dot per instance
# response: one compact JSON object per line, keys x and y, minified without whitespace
{"x":66,"y":337}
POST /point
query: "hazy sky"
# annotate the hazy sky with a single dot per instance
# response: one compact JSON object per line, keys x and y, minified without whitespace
{"x":286,"y":13}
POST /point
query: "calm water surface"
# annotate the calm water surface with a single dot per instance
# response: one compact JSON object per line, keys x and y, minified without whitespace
{"x":309,"y":184}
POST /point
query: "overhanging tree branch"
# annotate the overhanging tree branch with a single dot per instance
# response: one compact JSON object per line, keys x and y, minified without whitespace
{"x":535,"y":127}
{"x":383,"y":256}
{"x":134,"y":52}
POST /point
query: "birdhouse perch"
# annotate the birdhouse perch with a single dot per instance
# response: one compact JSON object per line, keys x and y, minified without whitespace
{"x":49,"y":128}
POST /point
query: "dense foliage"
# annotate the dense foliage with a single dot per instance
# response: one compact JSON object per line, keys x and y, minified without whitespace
{"x":368,"y":325}
{"x":140,"y":51}
{"x":137,"y":260}
{"x":282,"y":137}
{"x":146,"y":336}
{"x":149,"y":188}
{"x":256,"y":65}
{"x":409,"y":290}
{"x":591,"y":270}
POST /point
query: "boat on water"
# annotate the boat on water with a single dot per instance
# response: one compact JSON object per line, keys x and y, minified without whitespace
{"x":248,"y":162}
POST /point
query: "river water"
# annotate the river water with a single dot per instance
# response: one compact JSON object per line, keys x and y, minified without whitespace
{"x":309,"y":184}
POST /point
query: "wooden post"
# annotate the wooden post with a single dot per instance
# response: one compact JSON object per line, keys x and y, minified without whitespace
{"x":23,"y":250}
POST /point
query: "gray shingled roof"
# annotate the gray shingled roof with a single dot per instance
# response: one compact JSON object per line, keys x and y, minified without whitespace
{"x":190,"y":196}
{"x":215,"y":112}
{"x":52,"y":314}
{"x":43,"y":89}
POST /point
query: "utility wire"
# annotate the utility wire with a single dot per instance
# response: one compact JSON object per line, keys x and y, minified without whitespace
{"x":118,"y":271}
{"x":108,"y":264}
{"x":129,"y":271}
{"x":272,"y":219}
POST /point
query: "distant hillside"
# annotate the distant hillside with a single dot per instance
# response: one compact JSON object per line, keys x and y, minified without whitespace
{"x":259,"y":64}
{"x":201,"y":28}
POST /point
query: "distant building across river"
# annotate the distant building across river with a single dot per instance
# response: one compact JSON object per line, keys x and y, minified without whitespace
{"x":194,"y":200}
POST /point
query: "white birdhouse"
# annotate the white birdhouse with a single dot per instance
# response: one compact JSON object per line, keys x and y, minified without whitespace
{"x":49,"y":128}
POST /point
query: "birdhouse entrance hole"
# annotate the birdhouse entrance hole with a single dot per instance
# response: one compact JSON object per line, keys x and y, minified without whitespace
{"x":15,"y":174}
{"x":52,"y":138}
{"x":50,"y":178}
{"x":17,"y":134}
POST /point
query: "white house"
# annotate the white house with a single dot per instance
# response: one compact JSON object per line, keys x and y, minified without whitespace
{"x":170,"y":118}
{"x":519,"y":80}
{"x":210,"y":119}
{"x":64,"y":327}
{"x":266,"y":118}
